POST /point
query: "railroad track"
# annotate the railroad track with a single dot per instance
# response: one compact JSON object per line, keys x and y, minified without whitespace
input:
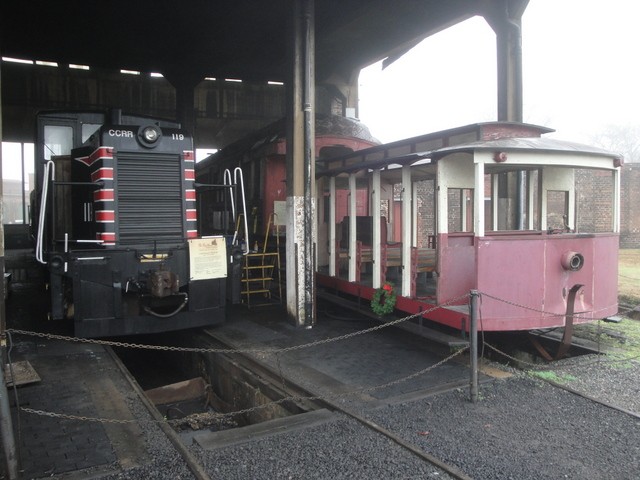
{"x":305,"y":399}
{"x":313,"y":401}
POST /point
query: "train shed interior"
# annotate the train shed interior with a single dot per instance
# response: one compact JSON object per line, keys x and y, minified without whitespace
{"x":222,"y":69}
{"x":323,"y":402}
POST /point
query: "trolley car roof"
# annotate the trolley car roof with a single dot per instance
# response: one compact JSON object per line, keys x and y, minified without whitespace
{"x":222,"y":38}
{"x":539,"y":144}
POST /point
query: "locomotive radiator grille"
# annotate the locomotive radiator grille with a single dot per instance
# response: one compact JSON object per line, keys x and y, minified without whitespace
{"x":149,"y":191}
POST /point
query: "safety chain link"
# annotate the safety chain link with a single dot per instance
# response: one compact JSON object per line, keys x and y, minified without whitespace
{"x":500,"y":352}
{"x":579,"y":315}
{"x":83,"y":418}
{"x":272,"y":350}
{"x":221,"y":416}
{"x":554,"y":366}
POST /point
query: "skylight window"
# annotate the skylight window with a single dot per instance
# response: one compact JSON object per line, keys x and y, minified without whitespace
{"x":17,"y":60}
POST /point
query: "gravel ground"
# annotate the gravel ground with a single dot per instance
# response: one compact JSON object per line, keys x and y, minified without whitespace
{"x":521,"y":428}
{"x":611,"y":381}
{"x":343,"y":449}
{"x":164,"y":461}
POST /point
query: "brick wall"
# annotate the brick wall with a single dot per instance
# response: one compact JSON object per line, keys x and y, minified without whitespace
{"x":594,"y":191}
{"x":630,"y":206}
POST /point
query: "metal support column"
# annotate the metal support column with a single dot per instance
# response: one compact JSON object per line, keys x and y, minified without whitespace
{"x":185,"y":86}
{"x":301,"y":214}
{"x":505,"y":19}
{"x":473,"y":345}
{"x":6,"y":425}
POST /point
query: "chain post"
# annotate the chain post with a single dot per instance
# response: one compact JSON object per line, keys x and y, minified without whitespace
{"x":473,"y":345}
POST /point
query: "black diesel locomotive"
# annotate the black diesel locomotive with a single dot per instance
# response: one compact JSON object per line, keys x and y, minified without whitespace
{"x":117,"y":228}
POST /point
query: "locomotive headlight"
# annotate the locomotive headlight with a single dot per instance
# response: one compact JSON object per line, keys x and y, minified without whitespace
{"x":150,"y":134}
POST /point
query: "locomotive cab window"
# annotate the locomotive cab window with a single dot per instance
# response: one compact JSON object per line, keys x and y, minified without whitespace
{"x":58,"y":140}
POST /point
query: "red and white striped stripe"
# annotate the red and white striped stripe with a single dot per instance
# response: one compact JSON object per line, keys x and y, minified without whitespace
{"x":105,"y":173}
{"x":105,"y":216}
{"x":99,"y":154}
{"x":103,"y":195}
{"x":107,"y":238}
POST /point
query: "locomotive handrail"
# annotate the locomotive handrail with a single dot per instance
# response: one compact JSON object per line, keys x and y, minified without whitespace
{"x":227,"y":177}
{"x":48,"y":171}
{"x":237,"y":172}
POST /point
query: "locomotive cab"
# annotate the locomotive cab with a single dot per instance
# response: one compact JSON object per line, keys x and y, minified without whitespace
{"x":119,"y":235}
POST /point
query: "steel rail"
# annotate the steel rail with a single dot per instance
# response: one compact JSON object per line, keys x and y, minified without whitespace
{"x":192,"y":463}
{"x":294,"y":389}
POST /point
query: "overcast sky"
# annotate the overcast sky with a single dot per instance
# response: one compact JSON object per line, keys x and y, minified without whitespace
{"x":580,"y":67}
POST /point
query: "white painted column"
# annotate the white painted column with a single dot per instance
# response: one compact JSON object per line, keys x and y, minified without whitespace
{"x":406,"y":231}
{"x":478,"y":200}
{"x":616,"y":200}
{"x":531,"y":200}
{"x":414,"y":214}
{"x":352,"y":227}
{"x":332,"y":226}
{"x":377,"y":240}
{"x":495,"y":201}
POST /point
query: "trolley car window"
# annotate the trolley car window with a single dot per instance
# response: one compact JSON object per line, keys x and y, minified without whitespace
{"x":460,"y":202}
{"x":557,"y":209}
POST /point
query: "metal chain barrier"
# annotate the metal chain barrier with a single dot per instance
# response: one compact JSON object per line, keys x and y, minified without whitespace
{"x":548,"y":366}
{"x":553,"y":366}
{"x":221,"y":416}
{"x":112,"y":343}
{"x":579,"y":315}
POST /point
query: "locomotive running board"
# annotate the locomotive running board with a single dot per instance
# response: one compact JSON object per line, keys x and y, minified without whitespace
{"x":565,"y":344}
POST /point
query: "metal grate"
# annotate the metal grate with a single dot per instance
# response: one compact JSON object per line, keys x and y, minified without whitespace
{"x":149,"y":190}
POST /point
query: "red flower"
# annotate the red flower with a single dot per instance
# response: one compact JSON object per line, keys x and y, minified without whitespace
{"x":387,"y":287}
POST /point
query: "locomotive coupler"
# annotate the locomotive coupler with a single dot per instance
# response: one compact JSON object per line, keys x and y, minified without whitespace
{"x":163,"y":283}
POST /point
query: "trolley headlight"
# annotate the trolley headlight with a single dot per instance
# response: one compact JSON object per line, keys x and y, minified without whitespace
{"x":149,"y":135}
{"x":572,"y":261}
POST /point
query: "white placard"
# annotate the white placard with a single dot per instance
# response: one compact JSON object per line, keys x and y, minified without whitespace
{"x":208,"y":258}
{"x":280,"y":211}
